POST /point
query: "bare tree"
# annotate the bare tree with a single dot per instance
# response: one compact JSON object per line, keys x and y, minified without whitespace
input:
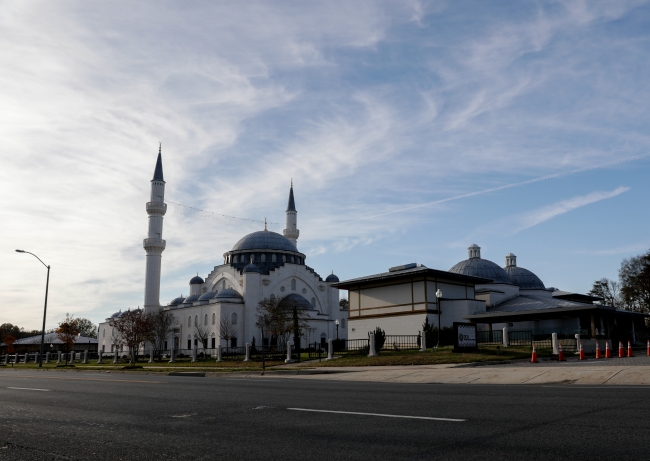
{"x":608,"y":290}
{"x":116,"y":340}
{"x":67,"y":332}
{"x":281,"y":317}
{"x":163,"y":326}
{"x":227,"y":330}
{"x":202,"y":333}
{"x":135,"y":327}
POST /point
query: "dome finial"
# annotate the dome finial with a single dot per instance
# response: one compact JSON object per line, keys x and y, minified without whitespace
{"x":265,"y":224}
{"x":474,"y":251}
{"x":160,"y":147}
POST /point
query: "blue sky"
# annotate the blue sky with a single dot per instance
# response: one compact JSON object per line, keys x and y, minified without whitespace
{"x":399,"y":122}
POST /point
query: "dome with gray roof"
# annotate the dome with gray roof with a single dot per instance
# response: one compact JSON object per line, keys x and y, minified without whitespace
{"x":288,"y":302}
{"x":332,"y":278}
{"x":191,"y":299}
{"x":521,"y":277}
{"x":477,"y":267}
{"x":228,"y":293}
{"x":197,"y":280}
{"x":264,"y":240}
{"x":117,"y":314}
{"x":176,"y":301}
{"x":208,"y":295}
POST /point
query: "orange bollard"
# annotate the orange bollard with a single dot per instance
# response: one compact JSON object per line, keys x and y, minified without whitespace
{"x":533,"y":359}
{"x":621,"y":351}
{"x":598,"y":356}
{"x":560,"y":356}
{"x":629,"y":349}
{"x":608,"y":351}
{"x":582,"y":352}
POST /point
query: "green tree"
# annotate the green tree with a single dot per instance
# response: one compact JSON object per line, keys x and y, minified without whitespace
{"x":634,"y":276}
{"x":87,"y":328}
{"x":344,"y":304}
{"x":68,"y":332}
{"x":135,"y":328}
{"x":380,"y":338}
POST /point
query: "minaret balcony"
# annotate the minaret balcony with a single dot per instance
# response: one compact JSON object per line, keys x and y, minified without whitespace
{"x":156,"y":208}
{"x":154,"y":244}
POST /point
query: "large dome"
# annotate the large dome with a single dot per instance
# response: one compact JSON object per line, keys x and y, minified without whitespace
{"x":288,"y":302}
{"x":265,"y":240}
{"x":524,"y":278}
{"x":483,"y":268}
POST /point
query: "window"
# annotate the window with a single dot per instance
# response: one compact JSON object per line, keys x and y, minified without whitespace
{"x":205,"y":320}
{"x":284,"y":258}
{"x":313,"y":303}
{"x":233,"y":342}
{"x":165,"y":345}
{"x":214,"y":318}
{"x":189,"y":342}
{"x":189,"y":321}
{"x":112,"y":347}
{"x":291,"y":259}
{"x":103,"y":347}
{"x":293,"y":284}
{"x":273,"y":258}
{"x":263,"y":258}
{"x":272,"y":298}
{"x":214,"y":342}
{"x":323,"y":338}
{"x":233,"y":319}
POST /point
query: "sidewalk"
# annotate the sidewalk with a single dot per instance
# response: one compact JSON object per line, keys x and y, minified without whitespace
{"x":625,"y":371}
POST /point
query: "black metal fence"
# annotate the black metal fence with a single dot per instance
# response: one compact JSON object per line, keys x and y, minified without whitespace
{"x":520,"y":338}
{"x":490,"y":337}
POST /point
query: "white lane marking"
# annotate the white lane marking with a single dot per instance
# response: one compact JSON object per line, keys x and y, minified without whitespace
{"x":251,"y":379}
{"x":377,"y":414}
{"x":29,"y":389}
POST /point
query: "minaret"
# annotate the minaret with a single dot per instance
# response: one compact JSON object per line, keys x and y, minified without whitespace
{"x":291,"y":232}
{"x":154,"y":245}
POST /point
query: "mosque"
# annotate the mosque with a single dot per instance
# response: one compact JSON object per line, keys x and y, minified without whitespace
{"x":263,"y":264}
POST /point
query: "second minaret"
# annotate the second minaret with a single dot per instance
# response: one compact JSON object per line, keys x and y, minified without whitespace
{"x":291,"y":232}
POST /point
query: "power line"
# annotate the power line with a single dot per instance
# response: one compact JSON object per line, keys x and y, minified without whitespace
{"x":221,"y":215}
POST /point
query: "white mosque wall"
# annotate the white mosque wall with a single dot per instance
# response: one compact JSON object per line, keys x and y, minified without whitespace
{"x":393,"y":325}
{"x":568,"y":326}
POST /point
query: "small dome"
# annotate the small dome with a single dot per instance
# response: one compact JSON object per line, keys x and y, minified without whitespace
{"x":524,"y":278}
{"x":208,"y":295}
{"x":252,"y":268}
{"x":197,"y":280}
{"x":117,"y":314}
{"x":176,"y":301}
{"x":191,"y":299}
{"x":264,"y":240}
{"x":296,"y":300}
{"x":228,"y":293}
{"x":483,"y":268}
{"x":332,"y":278}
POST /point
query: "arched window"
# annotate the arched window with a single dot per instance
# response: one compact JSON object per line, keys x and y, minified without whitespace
{"x":214,"y":318}
{"x":189,"y":321}
{"x":272,"y":297}
{"x":313,"y":303}
{"x":189,"y":342}
{"x":273,"y":258}
{"x":233,"y":318}
{"x":205,"y":320}
{"x":214,"y":341}
{"x":293,"y":284}
{"x":291,"y":259}
{"x":284,"y":258}
{"x":196,"y":320}
{"x":263,"y":258}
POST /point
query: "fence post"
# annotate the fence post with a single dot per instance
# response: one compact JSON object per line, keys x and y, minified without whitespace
{"x":371,"y":344}
{"x":248,"y":353}
{"x":194,"y":353}
{"x":219,"y":354}
{"x":330,"y":349}
{"x":289,"y":359}
{"x":172,"y":355}
{"x":100,"y":357}
{"x":506,"y":341}
{"x":151,"y":356}
{"x":58,"y":357}
{"x":72,"y":357}
{"x":6,"y":358}
{"x":578,"y":342}
{"x":554,"y":344}
{"x":423,"y":342}
{"x":85,"y":356}
{"x":47,"y":357}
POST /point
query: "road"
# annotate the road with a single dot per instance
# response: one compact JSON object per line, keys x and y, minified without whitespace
{"x":102,"y":416}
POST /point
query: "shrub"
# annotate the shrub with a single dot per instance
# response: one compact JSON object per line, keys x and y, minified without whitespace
{"x":380,"y":338}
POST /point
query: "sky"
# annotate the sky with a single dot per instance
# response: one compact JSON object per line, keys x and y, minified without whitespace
{"x":410,"y":129}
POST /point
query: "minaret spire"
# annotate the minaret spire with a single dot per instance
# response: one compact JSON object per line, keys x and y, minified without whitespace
{"x":154,"y":245}
{"x":291,"y":231}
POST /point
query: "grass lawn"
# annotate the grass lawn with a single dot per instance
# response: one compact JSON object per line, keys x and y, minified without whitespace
{"x":438,"y":357}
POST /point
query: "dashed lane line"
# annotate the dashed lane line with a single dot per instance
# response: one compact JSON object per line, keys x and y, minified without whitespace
{"x":28,"y":389}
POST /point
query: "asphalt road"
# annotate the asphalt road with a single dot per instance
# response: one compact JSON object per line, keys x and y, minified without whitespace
{"x":100,"y":416}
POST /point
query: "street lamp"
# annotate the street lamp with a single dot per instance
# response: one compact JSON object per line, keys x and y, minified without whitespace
{"x":438,"y":296}
{"x":337,"y":328}
{"x":47,"y":285}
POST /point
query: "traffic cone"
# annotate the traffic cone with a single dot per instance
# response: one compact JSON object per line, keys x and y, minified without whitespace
{"x":582,"y":352}
{"x":608,"y":351}
{"x":649,"y":347}
{"x":621,"y":351}
{"x":629,"y":349}
{"x":598,"y":356}
{"x":560,"y":356}
{"x":533,"y":359}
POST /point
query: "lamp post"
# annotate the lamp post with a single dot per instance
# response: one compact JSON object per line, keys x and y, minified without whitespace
{"x":438,"y":296}
{"x":337,"y":328}
{"x":47,"y":285}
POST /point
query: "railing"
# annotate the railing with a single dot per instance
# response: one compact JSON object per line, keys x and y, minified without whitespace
{"x":157,"y":206}
{"x":520,"y":338}
{"x":401,"y":342}
{"x":489,"y":337}
{"x":351,"y":346}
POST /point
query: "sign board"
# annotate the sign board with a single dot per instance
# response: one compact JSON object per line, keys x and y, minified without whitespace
{"x":465,"y":336}
{"x":9,"y":340}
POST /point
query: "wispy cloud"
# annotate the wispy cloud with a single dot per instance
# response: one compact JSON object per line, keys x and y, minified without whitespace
{"x":540,"y":215}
